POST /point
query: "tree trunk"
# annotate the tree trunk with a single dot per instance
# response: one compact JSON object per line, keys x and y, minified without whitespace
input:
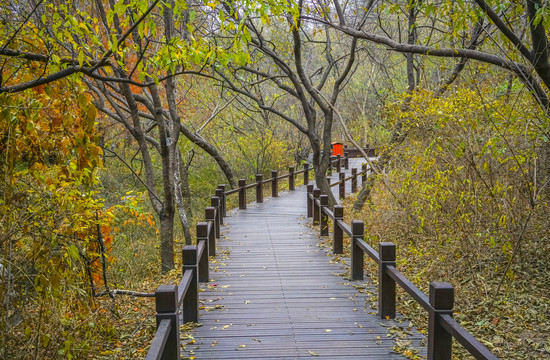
{"x":178,"y":184}
{"x":166,"y":241}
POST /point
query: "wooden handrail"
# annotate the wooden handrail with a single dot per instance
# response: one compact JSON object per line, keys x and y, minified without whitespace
{"x":274,"y":180}
{"x":159,"y":342}
{"x":170,"y":299}
{"x":439,"y":305}
{"x":466,"y":339}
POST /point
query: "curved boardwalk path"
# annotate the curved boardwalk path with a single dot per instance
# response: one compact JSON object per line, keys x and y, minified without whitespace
{"x":276,"y":294}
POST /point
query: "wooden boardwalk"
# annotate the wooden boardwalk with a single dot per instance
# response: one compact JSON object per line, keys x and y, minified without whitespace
{"x":276,"y":294}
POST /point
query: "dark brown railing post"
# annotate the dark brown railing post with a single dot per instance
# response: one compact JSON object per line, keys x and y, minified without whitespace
{"x":439,"y":340}
{"x":219,"y":209}
{"x":316,"y":210}
{"x":357,"y":258}
{"x":354,"y":180}
{"x":291,"y":178}
{"x":191,"y":299}
{"x":346,"y":163}
{"x":386,"y":285}
{"x":338,"y":163}
{"x":224,"y":200}
{"x":166,"y":300}
{"x":274,"y":186}
{"x":210,"y":217}
{"x":306,"y":174}
{"x":364,"y":175}
{"x":309,"y":201}
{"x":328,"y":181}
{"x":259,"y":188}
{"x":324,"y":216}
{"x":337,"y":232}
{"x":342,"y":186}
{"x":215,"y":203}
{"x":242,"y":194}
{"x":203,"y":235}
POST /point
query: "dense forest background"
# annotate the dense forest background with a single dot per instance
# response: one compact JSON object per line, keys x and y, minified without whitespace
{"x":118,"y":119}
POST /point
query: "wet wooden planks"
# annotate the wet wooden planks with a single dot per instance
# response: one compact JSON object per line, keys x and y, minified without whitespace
{"x":276,"y":294}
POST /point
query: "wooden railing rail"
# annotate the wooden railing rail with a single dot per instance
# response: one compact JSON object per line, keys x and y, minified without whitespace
{"x":336,"y":161}
{"x":442,"y":328}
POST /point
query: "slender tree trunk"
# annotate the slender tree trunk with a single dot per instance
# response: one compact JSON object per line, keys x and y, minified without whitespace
{"x":178,"y":184}
{"x":166,"y":241}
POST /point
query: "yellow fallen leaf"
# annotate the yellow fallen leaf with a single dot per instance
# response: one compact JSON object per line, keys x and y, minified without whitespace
{"x":313,"y":353}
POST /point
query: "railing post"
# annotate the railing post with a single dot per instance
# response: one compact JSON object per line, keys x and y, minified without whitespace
{"x":220,"y":195}
{"x":324,"y":216}
{"x":203,"y":235}
{"x":309,"y":200}
{"x":215,"y":202}
{"x":342,"y":186}
{"x":337,"y":232}
{"x":166,"y":300}
{"x":364,"y":175}
{"x":354,"y":180}
{"x":274,"y":186}
{"x":306,"y":174}
{"x":210,"y":215}
{"x":439,"y":340}
{"x":291,"y":178}
{"x":259,"y":188}
{"x":346,"y":163}
{"x":242,"y":194}
{"x":328,"y":181}
{"x":224,"y":203}
{"x":338,"y":163}
{"x":357,"y":258}
{"x":386,"y":285}
{"x":316,"y":210}
{"x":191,"y":299}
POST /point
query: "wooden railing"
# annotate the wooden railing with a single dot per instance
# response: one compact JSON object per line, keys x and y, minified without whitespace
{"x":172,"y":300}
{"x":442,"y":328}
{"x":183,"y":299}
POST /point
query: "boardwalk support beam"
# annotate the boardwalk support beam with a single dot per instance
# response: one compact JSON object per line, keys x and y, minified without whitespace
{"x":203,"y":236}
{"x":221,"y":196}
{"x":324,"y":216}
{"x":210,"y":216}
{"x":439,"y":340}
{"x":310,"y":200}
{"x":316,"y":210}
{"x":259,"y":188}
{"x":166,"y":302}
{"x":191,"y":299}
{"x":357,"y":258}
{"x":215,"y":203}
{"x":224,"y":200}
{"x":342,"y":186}
{"x":386,"y":285}
{"x":242,"y":194}
{"x":274,"y":186}
{"x":354,"y":180}
{"x":337,"y":232}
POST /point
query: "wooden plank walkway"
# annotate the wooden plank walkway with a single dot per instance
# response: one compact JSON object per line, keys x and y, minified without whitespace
{"x":276,"y":294}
